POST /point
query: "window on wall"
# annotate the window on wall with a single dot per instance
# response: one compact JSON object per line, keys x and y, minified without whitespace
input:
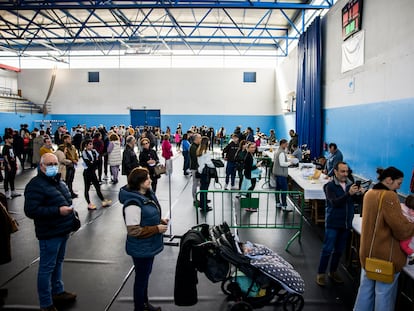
{"x":249,"y":77}
{"x":93,"y":76}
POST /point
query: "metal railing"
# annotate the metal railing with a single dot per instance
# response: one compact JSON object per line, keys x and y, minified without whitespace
{"x":253,"y":209}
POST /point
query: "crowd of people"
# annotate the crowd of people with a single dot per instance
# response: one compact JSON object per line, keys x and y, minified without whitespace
{"x":136,"y":153}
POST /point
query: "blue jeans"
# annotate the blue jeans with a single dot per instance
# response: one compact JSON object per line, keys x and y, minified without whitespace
{"x":49,"y":277}
{"x":281,"y":185}
{"x":186,"y":164}
{"x":143,"y":268}
{"x":378,"y":296}
{"x":333,"y":245}
{"x":230,"y":172}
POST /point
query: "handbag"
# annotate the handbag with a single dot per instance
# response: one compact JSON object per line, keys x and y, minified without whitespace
{"x":13,"y":224}
{"x":76,"y":223}
{"x":217,"y":162}
{"x":160,"y":169}
{"x":379,"y":269}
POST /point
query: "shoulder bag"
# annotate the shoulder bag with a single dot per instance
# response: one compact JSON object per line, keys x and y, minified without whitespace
{"x":160,"y":169}
{"x":76,"y":223}
{"x":379,"y":269}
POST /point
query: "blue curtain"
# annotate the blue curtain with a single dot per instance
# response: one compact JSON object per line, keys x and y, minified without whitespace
{"x":308,"y":92}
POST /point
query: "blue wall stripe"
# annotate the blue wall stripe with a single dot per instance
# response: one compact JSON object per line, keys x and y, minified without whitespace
{"x":369,"y":135}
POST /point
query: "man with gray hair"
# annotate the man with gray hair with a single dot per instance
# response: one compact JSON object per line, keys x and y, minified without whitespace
{"x":48,"y":202}
{"x":129,"y":157}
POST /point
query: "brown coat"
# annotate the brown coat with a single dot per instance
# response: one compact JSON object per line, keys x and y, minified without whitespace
{"x":392,"y":225}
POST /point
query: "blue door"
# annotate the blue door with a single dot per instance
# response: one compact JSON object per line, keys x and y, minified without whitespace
{"x":145,"y":117}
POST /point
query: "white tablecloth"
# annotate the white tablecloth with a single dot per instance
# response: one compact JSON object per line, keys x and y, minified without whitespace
{"x":313,"y":189}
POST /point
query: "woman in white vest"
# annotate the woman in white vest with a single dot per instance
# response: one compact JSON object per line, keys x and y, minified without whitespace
{"x":114,"y":156}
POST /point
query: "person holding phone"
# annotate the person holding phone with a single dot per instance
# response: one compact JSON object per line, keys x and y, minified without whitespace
{"x":340,"y":194}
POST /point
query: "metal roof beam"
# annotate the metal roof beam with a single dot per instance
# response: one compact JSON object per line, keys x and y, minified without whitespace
{"x":178,"y":4}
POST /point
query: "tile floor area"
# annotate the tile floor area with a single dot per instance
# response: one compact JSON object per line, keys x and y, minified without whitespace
{"x":99,"y":271}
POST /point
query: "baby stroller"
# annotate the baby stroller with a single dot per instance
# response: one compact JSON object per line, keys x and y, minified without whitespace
{"x":251,"y":275}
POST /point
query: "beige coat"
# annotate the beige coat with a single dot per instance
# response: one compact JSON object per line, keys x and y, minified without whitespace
{"x":392,"y":227}
{"x":62,"y":163}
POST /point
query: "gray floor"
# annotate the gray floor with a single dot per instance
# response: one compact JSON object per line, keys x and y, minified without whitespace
{"x":99,"y":271}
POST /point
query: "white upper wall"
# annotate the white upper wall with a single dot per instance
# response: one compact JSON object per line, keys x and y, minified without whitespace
{"x":8,"y":81}
{"x":387,"y":73}
{"x":174,"y":91}
{"x":286,"y":79}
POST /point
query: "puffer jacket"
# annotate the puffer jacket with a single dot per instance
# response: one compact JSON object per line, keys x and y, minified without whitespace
{"x":150,"y":216}
{"x":43,"y":198}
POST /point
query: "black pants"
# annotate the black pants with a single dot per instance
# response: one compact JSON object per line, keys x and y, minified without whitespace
{"x":90,"y":178}
{"x":70,"y":176}
{"x":9,"y":176}
{"x":204,"y":184}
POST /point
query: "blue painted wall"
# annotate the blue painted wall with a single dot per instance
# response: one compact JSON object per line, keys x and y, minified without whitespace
{"x":369,"y":135}
{"x":13,"y":120}
{"x":374,"y":135}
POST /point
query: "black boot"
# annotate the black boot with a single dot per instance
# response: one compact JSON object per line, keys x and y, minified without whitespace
{"x":150,"y":307}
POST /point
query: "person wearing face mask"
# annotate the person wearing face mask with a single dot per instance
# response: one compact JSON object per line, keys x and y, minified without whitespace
{"x":390,"y":228}
{"x":48,"y":202}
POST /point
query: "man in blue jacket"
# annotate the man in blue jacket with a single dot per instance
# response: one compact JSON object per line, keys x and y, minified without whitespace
{"x":48,"y":202}
{"x":340,"y":192}
{"x":335,"y":156}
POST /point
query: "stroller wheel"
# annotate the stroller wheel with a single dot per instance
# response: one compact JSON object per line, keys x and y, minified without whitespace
{"x":231,"y":288}
{"x":293,"y":302}
{"x":241,"y":306}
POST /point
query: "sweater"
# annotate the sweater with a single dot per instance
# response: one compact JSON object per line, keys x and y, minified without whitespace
{"x":280,"y":163}
{"x":392,"y":227}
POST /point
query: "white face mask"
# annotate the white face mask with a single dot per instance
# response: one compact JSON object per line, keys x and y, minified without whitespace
{"x":52,"y":170}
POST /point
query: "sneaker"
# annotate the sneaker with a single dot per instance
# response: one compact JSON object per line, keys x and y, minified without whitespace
{"x":208,"y":209}
{"x":287,"y":209}
{"x":234,"y":188}
{"x":226,"y":187}
{"x":50,"y":308}
{"x":106,"y":202}
{"x":320,"y":279}
{"x":278,"y":205}
{"x":91,"y":207}
{"x":251,"y":209}
{"x":335,"y":277}
{"x":8,"y":195}
{"x":64,"y":297}
{"x":150,"y":307}
{"x":15,"y":194}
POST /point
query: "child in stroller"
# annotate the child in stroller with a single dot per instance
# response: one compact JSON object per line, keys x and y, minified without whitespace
{"x":254,"y":276}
